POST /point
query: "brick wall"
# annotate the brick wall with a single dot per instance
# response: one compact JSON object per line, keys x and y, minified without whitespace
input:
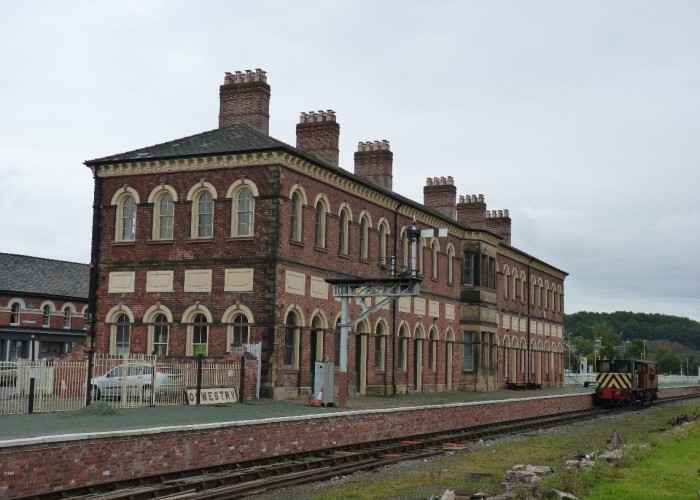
{"x":111,"y":458}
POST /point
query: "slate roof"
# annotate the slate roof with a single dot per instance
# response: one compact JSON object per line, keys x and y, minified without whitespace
{"x":234,"y":139}
{"x":37,"y":276}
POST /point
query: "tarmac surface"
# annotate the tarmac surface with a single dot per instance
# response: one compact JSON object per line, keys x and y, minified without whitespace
{"x":100,"y":417}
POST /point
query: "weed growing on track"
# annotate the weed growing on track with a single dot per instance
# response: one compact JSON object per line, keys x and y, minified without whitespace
{"x":646,"y":435}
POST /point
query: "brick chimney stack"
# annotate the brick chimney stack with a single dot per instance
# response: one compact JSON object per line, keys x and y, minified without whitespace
{"x":499,"y":222}
{"x":318,"y":134}
{"x":440,"y":193}
{"x":245,"y":98}
{"x":471,"y":211}
{"x":374,"y":162}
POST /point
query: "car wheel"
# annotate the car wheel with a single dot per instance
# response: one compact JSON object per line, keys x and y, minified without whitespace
{"x":95,"y":393}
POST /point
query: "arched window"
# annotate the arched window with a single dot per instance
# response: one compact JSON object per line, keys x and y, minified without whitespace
{"x":506,"y":277}
{"x":343,"y":239}
{"x":46,"y":319}
{"x":291,"y":341}
{"x":204,"y":215}
{"x":295,"y":225}
{"x":245,"y":207}
{"x":403,"y":348}
{"x":404,"y":248}
{"x":364,"y":237}
{"x":383,"y":243}
{"x":432,"y":350}
{"x":15,"y":314}
{"x":321,"y":213}
{"x":514,"y":291}
{"x":450,"y":264}
{"x":122,"y":332}
{"x":164,"y":218}
{"x":379,"y":347}
{"x":160,"y":335}
{"x":127,"y":219}
{"x":67,"y":317}
{"x":200,"y":335}
{"x":336,"y":347}
{"x":240,"y":330}
{"x":419,"y":257}
{"x":434,"y":259}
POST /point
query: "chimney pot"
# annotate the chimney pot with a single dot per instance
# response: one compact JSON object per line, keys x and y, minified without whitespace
{"x":245,"y":98}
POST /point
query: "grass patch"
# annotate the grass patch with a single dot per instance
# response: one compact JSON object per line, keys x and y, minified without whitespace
{"x":660,"y":461}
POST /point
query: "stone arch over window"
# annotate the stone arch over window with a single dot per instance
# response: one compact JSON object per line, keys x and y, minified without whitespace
{"x":293,"y":323}
{"x":203,"y":196}
{"x":336,"y":340}
{"x":419,"y":254}
{"x":298,"y":200}
{"x":319,"y":317}
{"x":365,"y":226}
{"x":405,"y":248}
{"x":345,"y":216}
{"x":120,"y":319}
{"x":450,"y":263}
{"x":434,"y":252}
{"x":163,"y":199}
{"x":16,"y":307}
{"x":419,"y":331}
{"x":381,"y":332}
{"x":48,"y":308}
{"x":322,"y":207}
{"x":402,"y":354}
{"x":69,"y":313}
{"x":242,"y":194}
{"x":197,"y":319}
{"x":159,"y":320}
{"x":126,"y":200}
{"x":238,"y":320}
{"x":319,"y":325}
{"x":383,"y":244}
{"x":433,"y":338}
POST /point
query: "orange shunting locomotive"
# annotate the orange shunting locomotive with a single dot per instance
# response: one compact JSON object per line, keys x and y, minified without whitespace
{"x":626,"y":382}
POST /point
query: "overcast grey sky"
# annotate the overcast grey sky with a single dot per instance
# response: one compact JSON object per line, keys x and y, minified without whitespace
{"x":582,"y":118}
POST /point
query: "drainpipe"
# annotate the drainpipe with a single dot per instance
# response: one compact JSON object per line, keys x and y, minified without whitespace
{"x":393,"y":302}
{"x":94,"y":273}
{"x":529,"y":351}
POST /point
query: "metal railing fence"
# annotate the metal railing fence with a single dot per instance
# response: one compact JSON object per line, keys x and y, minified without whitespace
{"x":51,"y":385}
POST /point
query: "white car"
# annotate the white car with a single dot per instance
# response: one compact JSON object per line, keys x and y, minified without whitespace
{"x":8,"y":373}
{"x":136,"y":380}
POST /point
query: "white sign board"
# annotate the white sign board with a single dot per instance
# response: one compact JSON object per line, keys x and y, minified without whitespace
{"x":212,"y":395}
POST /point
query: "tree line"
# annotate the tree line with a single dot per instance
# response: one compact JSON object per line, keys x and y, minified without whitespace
{"x":623,"y":334}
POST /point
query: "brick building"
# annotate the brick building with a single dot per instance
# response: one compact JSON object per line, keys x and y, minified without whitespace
{"x":227,"y":237}
{"x":42,"y":306}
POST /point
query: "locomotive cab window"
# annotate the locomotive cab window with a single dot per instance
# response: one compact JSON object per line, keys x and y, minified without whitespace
{"x":615,"y":366}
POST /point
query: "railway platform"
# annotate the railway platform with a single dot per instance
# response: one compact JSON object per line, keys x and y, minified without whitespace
{"x":99,"y":417}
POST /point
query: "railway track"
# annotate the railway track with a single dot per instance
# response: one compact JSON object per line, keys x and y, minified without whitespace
{"x":241,"y":479}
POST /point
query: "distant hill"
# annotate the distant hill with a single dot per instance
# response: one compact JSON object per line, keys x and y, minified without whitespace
{"x":653,"y":327}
